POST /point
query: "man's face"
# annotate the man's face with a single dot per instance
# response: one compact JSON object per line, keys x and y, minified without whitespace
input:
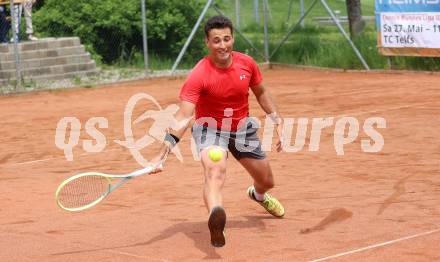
{"x":220,"y":42}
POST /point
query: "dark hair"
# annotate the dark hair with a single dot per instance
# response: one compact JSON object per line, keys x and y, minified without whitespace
{"x":218,"y":22}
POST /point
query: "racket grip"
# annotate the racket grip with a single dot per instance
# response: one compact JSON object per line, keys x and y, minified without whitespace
{"x":142,"y":171}
{"x":147,"y":170}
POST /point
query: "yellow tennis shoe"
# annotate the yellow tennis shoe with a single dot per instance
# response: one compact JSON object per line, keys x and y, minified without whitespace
{"x":271,"y":204}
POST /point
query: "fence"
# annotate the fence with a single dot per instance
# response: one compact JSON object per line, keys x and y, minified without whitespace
{"x":84,"y":42}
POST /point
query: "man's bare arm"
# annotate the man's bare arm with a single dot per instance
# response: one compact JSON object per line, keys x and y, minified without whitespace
{"x":267,"y":103}
{"x":182,"y":120}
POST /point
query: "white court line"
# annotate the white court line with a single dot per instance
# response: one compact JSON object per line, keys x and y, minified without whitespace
{"x":104,"y":249}
{"x":53,"y":158}
{"x":34,"y":161}
{"x":137,"y":256}
{"x":386,"y":109}
{"x":376,"y":245}
{"x":126,"y":254}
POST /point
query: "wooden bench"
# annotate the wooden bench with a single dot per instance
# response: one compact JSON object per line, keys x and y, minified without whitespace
{"x":327,"y":20}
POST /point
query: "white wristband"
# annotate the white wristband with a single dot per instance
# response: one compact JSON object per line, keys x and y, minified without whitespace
{"x":275,"y":118}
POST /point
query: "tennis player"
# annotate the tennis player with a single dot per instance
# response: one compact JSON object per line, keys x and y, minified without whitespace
{"x":217,"y":89}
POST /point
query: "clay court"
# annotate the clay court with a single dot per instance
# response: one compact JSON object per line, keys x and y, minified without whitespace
{"x":360,"y":206}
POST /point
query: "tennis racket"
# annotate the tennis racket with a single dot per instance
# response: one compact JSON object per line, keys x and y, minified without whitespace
{"x":85,"y":190}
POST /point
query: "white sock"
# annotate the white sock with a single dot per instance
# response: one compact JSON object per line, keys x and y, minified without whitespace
{"x":259,"y":197}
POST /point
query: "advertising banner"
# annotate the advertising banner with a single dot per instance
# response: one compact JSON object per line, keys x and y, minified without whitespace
{"x":408,"y":27}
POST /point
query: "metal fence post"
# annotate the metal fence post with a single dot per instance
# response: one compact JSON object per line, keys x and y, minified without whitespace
{"x":301,"y":9}
{"x":237,"y":14}
{"x":15,"y":38}
{"x":256,"y":14}
{"x":144,"y":37}
{"x":266,"y":36}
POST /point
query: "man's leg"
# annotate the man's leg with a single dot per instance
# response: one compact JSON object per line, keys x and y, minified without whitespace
{"x":28,"y":18}
{"x":245,"y":146}
{"x":261,"y":172}
{"x":215,"y":175}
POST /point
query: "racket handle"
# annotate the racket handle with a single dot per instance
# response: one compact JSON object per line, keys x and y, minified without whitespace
{"x":142,"y":171}
{"x":146,"y":170}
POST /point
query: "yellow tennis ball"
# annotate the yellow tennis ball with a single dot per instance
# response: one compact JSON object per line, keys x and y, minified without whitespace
{"x":215,"y":154}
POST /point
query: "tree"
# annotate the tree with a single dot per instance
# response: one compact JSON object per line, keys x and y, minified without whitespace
{"x":356,"y":24}
{"x":113,"y":29}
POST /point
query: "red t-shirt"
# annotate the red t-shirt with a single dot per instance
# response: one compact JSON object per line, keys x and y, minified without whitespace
{"x":213,"y":89}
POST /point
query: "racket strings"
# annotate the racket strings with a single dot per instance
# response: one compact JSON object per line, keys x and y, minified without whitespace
{"x":83,"y":191}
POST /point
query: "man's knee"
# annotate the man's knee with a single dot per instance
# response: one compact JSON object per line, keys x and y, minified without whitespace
{"x":215,"y":173}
